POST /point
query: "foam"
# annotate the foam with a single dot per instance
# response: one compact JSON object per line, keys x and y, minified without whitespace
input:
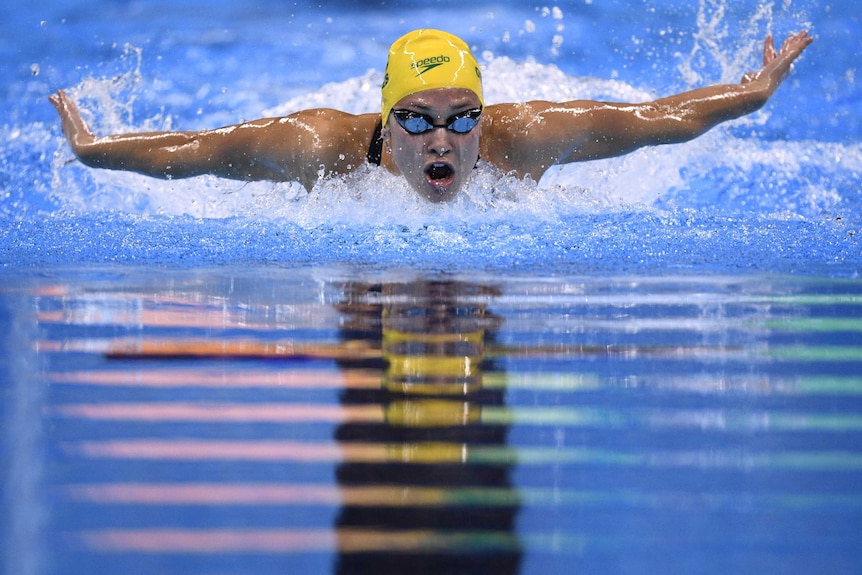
{"x":731,"y":196}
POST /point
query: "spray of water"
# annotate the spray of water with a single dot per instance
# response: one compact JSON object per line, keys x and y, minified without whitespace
{"x":657,"y":178}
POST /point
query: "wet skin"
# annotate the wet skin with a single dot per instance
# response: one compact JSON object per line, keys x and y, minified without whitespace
{"x":522,"y":139}
{"x":438,"y":162}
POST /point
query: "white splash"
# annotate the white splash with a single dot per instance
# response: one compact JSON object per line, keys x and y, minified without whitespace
{"x":371,"y":195}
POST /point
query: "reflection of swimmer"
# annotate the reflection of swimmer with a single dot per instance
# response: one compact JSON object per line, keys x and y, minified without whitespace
{"x":434,"y":338}
{"x":449,"y":511}
{"x":432,"y":81}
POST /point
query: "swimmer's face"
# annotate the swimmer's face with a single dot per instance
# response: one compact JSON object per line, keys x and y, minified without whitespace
{"x":435,"y":163}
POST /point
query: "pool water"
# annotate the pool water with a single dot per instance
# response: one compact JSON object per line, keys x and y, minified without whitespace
{"x":646,"y":364}
{"x":307,"y":420}
{"x":775,"y":192}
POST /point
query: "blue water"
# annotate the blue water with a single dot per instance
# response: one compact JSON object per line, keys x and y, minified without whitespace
{"x":668,"y":343}
{"x":227,"y":421}
{"x":776,"y":192}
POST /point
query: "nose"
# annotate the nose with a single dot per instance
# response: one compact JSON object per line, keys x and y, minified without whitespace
{"x":439,"y":142}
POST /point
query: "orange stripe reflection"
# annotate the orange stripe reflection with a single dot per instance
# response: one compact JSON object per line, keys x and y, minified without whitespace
{"x":275,"y":451}
{"x":312,"y":379}
{"x":261,"y":494}
{"x":209,"y":541}
{"x":196,"y":450}
{"x":205,"y":494}
{"x":154,"y":348}
{"x":199,"y":317}
{"x":250,"y":348}
{"x":191,"y":313}
{"x":224,"y":412}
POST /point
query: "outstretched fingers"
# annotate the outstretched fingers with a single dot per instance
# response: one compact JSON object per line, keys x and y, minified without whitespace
{"x":792,"y":47}
{"x":796,"y":43}
{"x":74,"y":126}
{"x":776,"y":64}
{"x":789,"y":52}
{"x":768,"y":50}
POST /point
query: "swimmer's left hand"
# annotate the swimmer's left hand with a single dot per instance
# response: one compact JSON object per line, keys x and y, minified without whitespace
{"x":776,"y":65}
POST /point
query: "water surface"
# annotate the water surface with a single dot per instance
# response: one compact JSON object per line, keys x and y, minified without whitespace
{"x":312,"y":419}
{"x":647,"y":364}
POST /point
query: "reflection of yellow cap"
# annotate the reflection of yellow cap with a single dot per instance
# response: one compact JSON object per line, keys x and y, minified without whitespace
{"x":432,"y":413}
{"x":414,"y":367}
{"x":427,"y":59}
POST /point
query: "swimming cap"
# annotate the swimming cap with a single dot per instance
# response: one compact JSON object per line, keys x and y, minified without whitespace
{"x":427,"y":59}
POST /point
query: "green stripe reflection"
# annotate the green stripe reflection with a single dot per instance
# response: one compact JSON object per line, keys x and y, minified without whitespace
{"x":816,"y":353}
{"x":658,"y":419}
{"x":818,"y":324}
{"x":830,"y":385}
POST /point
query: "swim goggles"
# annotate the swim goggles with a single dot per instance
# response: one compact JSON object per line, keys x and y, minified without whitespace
{"x":416,"y":123}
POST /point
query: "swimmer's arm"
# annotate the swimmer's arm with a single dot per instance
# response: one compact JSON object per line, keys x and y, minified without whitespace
{"x":620,"y":129}
{"x":579,"y":131}
{"x":294,"y":148}
{"x":157,"y":154}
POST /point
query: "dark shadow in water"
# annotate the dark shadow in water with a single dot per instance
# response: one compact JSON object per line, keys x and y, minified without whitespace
{"x":455,"y":514}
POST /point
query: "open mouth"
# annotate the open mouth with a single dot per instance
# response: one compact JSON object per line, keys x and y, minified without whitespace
{"x":439,"y":174}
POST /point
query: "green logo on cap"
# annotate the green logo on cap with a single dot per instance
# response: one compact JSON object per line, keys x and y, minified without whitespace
{"x":427,"y":64}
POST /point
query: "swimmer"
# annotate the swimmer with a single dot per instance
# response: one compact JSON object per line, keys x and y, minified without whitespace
{"x":433,"y":127}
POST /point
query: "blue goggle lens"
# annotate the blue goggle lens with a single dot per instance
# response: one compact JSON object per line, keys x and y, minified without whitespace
{"x":416,"y":123}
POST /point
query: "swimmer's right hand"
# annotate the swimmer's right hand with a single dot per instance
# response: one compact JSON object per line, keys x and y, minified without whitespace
{"x":74,"y":126}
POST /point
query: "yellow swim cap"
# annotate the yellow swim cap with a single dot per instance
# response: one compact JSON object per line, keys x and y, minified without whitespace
{"x":427,"y":59}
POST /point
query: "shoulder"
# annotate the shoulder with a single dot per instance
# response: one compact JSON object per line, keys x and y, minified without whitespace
{"x":305,"y":143}
{"x":327,"y":122}
{"x":513,"y":116}
{"x":527,"y":137}
{"x":340,"y":141}
{"x":317,"y":131}
{"x":504,"y":126}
